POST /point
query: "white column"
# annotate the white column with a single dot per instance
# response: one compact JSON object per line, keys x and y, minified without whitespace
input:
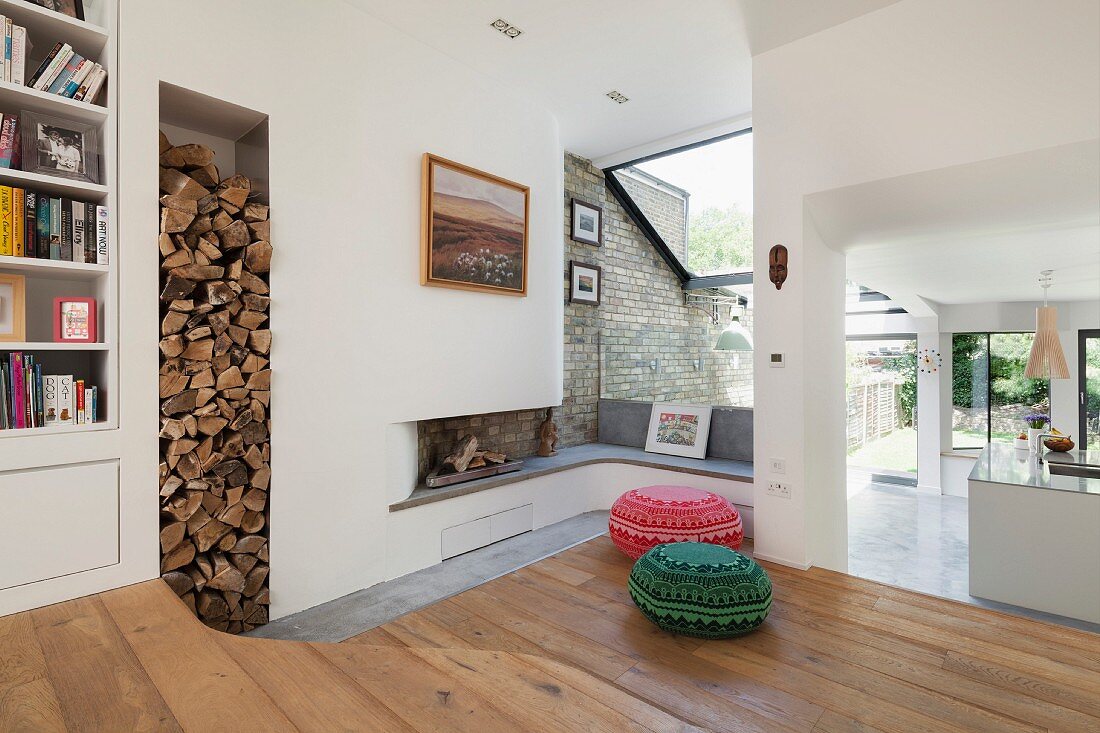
{"x":929,"y":424}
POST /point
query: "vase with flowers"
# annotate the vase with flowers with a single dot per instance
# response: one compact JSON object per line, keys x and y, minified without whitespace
{"x":1036,"y":421}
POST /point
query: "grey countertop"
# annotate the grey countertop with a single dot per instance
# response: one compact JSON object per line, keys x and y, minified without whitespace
{"x":1001,"y":463}
{"x":583,"y":455}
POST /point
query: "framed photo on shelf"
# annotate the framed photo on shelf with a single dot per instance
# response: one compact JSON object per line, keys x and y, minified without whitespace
{"x":474,"y":229}
{"x":587,"y":223}
{"x":71,"y":8}
{"x":74,"y":320}
{"x":679,"y":430}
{"x":585,"y":283}
{"x":13,"y":314}
{"x":58,"y":147}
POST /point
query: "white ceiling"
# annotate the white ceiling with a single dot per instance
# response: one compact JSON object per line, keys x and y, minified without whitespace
{"x":682,"y":65}
{"x":974,"y":233}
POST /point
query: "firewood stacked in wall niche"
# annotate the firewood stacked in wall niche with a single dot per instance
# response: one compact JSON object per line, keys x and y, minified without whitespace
{"x":215,"y":384}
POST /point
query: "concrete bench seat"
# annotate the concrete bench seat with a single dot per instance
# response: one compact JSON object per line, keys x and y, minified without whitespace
{"x":584,"y":455}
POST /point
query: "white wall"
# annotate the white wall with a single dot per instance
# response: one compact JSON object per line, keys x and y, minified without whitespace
{"x":358,"y":343}
{"x":917,"y":85}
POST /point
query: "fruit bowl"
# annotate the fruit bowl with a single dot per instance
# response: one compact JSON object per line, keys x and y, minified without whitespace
{"x":1060,"y":444}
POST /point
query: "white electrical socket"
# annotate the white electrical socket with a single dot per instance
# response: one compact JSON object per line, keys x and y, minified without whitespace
{"x":779,"y":465}
{"x":783,"y":491}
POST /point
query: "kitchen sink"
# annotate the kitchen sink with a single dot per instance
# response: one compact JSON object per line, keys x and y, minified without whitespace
{"x":1073,"y":469}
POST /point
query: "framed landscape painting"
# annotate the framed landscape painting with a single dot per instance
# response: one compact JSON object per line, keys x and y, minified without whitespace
{"x":584,"y":283}
{"x":679,"y":430}
{"x":587,"y":223}
{"x":474,"y":229}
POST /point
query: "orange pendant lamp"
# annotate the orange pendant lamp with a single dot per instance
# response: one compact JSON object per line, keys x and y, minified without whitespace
{"x":1047,"y":360}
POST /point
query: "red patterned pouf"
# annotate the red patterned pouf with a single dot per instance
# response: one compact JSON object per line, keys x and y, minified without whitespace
{"x":643,"y":518}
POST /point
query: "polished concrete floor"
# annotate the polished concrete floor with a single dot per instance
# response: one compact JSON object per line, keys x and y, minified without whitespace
{"x":918,"y":541}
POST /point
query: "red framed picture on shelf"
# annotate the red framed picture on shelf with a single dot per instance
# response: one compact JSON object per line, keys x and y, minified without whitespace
{"x":74,"y":320}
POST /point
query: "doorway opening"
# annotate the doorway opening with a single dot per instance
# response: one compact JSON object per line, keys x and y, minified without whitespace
{"x":881,"y":392}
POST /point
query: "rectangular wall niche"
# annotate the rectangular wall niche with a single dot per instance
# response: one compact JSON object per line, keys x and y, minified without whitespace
{"x":215,"y":373}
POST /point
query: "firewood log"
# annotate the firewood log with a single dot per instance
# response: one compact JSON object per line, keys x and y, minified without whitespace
{"x":461,"y":456}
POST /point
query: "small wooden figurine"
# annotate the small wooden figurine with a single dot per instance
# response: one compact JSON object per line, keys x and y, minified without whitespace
{"x":548,"y":435}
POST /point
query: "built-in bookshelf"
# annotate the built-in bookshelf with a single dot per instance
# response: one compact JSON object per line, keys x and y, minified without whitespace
{"x":46,"y":279}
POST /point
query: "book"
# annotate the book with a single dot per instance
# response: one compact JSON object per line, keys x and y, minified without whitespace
{"x":94,"y":415}
{"x":5,"y":409}
{"x":42,"y":237}
{"x":31,"y":415}
{"x":49,"y":396}
{"x":57,"y":64}
{"x":101,"y":236}
{"x":77,"y":78}
{"x":6,"y":245}
{"x":95,"y":85}
{"x":78,"y":393}
{"x":63,"y":76}
{"x":66,"y":230}
{"x":30,"y":224}
{"x":46,"y":62}
{"x":90,"y":246}
{"x":39,"y":420}
{"x":9,"y":125}
{"x":82,"y":91}
{"x":18,"y":55}
{"x":79,"y":250}
{"x":65,"y":403}
{"x":18,"y":390}
{"x":55,"y":229}
{"x":18,"y":198}
{"x":7,"y":48}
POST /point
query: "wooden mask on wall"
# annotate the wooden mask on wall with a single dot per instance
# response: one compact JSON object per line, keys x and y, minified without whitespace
{"x":777,"y":265}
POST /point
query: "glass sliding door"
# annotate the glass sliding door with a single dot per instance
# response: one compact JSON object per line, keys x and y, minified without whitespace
{"x":990,"y":394}
{"x":1011,"y":394}
{"x":1088,"y":354}
{"x":882,"y":408}
{"x":969,"y":390}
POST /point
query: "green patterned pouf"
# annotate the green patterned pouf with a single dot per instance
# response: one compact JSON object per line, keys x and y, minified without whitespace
{"x":698,"y":589}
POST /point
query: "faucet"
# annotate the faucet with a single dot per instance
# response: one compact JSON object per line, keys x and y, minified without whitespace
{"x":1039,"y":443}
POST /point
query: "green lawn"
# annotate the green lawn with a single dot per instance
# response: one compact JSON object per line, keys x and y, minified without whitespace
{"x":898,"y":450}
{"x":894,"y":452}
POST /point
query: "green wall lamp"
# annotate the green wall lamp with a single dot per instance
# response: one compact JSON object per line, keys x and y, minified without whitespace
{"x":734,"y":338}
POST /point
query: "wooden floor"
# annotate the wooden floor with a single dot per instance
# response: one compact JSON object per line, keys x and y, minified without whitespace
{"x":556,"y":646}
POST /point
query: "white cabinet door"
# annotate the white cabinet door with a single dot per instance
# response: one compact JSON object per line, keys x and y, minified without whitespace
{"x":465,"y":537}
{"x":512,"y":522}
{"x":57,"y":521}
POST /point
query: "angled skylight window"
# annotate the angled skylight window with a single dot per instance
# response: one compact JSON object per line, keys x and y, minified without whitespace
{"x":695,"y":204}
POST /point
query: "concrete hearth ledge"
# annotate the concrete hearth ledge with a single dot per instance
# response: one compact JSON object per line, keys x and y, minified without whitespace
{"x":583,"y":455}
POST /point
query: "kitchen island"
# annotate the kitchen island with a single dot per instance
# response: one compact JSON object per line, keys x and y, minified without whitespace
{"x":1035,"y":530}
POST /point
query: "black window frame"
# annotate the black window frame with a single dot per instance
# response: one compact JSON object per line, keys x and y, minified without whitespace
{"x":988,"y":386}
{"x":688,"y":279}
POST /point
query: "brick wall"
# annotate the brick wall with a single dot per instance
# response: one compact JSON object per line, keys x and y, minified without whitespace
{"x":641,"y":318}
{"x":609,"y":348}
{"x":513,"y":433}
{"x":665,"y":207}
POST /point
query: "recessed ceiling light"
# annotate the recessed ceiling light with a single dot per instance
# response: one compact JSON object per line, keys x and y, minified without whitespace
{"x":506,"y":28}
{"x":617,"y":97}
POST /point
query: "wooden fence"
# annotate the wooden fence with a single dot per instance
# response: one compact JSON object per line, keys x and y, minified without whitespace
{"x":874,"y":411}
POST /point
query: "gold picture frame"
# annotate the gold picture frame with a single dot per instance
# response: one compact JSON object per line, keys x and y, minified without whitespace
{"x":474,"y":229}
{"x":13,"y":308}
